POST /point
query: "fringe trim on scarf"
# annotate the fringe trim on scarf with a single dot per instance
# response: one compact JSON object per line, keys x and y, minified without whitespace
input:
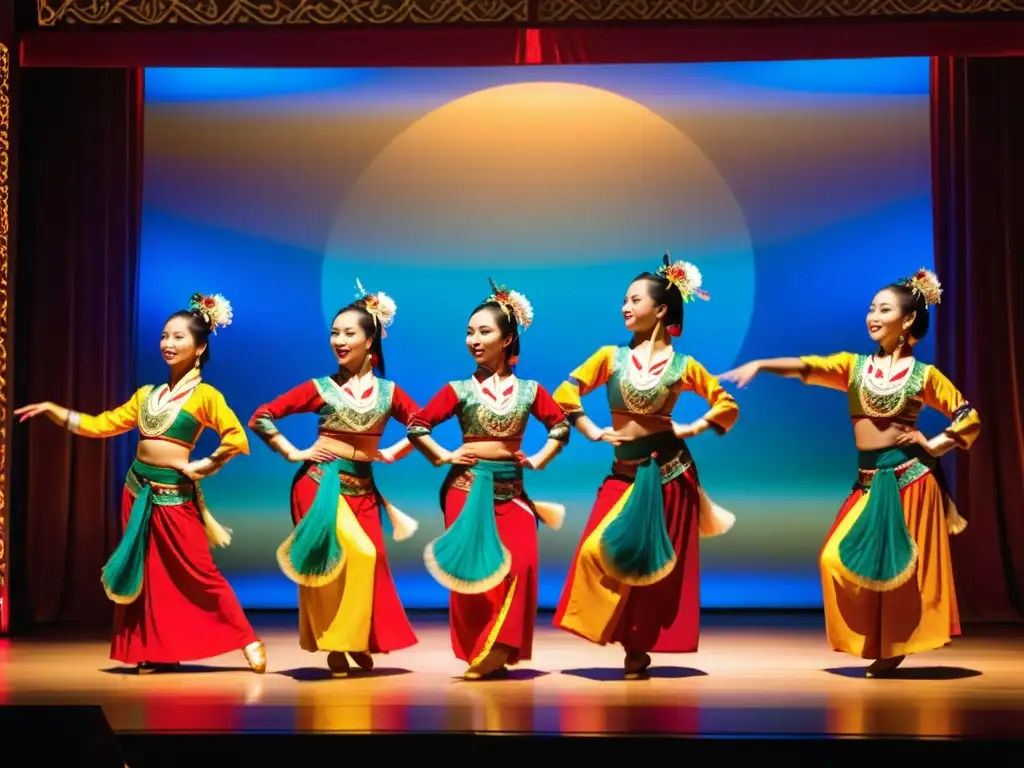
{"x":216,"y":534}
{"x":467,"y":587}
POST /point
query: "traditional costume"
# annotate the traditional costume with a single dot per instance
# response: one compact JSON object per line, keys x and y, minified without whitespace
{"x":487,"y":556}
{"x":173,"y":604}
{"x":635,"y":579}
{"x":336,"y":554}
{"x":886,"y":571}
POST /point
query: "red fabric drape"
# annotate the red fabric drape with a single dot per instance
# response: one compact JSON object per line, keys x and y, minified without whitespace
{"x":978,"y":193}
{"x":502,"y":46}
{"x":78,"y":243}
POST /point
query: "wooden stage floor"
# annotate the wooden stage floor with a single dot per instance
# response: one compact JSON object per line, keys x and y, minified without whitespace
{"x":765,"y":675}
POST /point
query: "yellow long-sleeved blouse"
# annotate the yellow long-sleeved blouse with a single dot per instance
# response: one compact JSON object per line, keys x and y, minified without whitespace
{"x":636,"y":387}
{"x":898,"y":396}
{"x":176,"y":415}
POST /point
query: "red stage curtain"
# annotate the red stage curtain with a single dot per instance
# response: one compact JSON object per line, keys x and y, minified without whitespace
{"x":384,"y":46}
{"x":78,"y":237}
{"x":978,"y":192}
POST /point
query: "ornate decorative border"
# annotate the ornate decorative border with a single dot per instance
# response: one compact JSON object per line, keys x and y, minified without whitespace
{"x":620,"y":11}
{"x":261,"y":13}
{"x":214,"y":13}
{"x":5,"y":231}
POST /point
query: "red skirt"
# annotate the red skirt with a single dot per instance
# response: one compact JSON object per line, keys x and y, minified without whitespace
{"x":506,"y":614}
{"x":389,"y":627}
{"x":187,"y":610}
{"x":661,"y":618}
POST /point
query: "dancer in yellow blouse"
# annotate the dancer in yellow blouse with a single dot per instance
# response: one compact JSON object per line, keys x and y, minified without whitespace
{"x":635,"y":579}
{"x":172,"y":603}
{"x":886,"y":572}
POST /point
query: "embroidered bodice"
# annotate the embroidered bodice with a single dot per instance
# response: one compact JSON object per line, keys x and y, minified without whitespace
{"x":354,"y":408}
{"x":493,"y":408}
{"x":894,"y":395}
{"x":636,"y":387}
{"x":176,"y":415}
{"x":877,"y":394}
{"x":162,"y":414}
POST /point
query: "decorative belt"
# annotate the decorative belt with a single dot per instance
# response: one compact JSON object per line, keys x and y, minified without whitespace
{"x":163,"y":494}
{"x":906,"y":473}
{"x":670,"y":470}
{"x":351,"y":485}
{"x":504,"y":490}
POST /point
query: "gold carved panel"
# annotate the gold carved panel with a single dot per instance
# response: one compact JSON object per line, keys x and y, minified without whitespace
{"x":625,"y":11}
{"x":209,"y":13}
{"x":5,"y":234}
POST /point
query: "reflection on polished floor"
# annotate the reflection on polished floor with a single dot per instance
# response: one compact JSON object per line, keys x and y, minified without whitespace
{"x":765,"y":675}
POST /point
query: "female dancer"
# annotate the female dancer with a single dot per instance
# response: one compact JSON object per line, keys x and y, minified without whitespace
{"x":347,"y":600}
{"x":173,"y":604}
{"x":487,"y":556}
{"x":886,"y":574}
{"x":635,"y":579}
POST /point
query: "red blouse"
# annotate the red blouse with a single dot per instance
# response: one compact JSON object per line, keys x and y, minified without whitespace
{"x":486,"y":414}
{"x":342,"y":410}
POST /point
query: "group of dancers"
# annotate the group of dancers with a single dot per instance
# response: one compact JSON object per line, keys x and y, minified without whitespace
{"x":886,"y":573}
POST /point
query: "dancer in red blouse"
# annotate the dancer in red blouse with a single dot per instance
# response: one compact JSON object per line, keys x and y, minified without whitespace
{"x":487,"y":556}
{"x":347,"y":599}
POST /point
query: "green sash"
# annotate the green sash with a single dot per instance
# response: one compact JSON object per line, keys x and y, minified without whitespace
{"x":122,"y":576}
{"x":313,"y":555}
{"x":635,"y":547}
{"x":878,"y":551}
{"x":469,"y":557}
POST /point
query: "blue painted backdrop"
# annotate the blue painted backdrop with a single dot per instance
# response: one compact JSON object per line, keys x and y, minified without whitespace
{"x":798,"y":188}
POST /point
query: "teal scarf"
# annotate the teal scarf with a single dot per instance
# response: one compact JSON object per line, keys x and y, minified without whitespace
{"x":122,"y":576}
{"x":469,"y":557}
{"x":313,"y":555}
{"x":635,"y":546}
{"x":878,"y":551}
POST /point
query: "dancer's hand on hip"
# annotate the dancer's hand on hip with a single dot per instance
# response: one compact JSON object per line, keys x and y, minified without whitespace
{"x":461,"y":456}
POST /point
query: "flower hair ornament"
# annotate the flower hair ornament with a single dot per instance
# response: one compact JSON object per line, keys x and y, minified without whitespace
{"x":685,"y":277}
{"x":687,"y":280}
{"x":924,"y":283}
{"x":515,"y":306}
{"x":380,"y":306}
{"x":214,"y":309}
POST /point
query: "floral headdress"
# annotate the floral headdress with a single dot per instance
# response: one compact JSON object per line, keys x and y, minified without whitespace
{"x":380,"y":306}
{"x":515,"y":306}
{"x":685,"y":277}
{"x":214,"y":309}
{"x":925,"y":284}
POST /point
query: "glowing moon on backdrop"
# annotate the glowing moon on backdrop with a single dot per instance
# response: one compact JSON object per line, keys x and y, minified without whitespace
{"x":544,"y":175}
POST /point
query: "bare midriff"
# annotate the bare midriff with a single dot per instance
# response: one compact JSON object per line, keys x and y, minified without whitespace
{"x":163,"y":453}
{"x":640,"y":425}
{"x":494,"y":450}
{"x":876,"y":434}
{"x":352,"y":447}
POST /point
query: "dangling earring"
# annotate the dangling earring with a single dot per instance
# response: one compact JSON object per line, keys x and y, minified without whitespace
{"x":197,"y":364}
{"x":902,"y":340}
{"x":374,"y":360}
